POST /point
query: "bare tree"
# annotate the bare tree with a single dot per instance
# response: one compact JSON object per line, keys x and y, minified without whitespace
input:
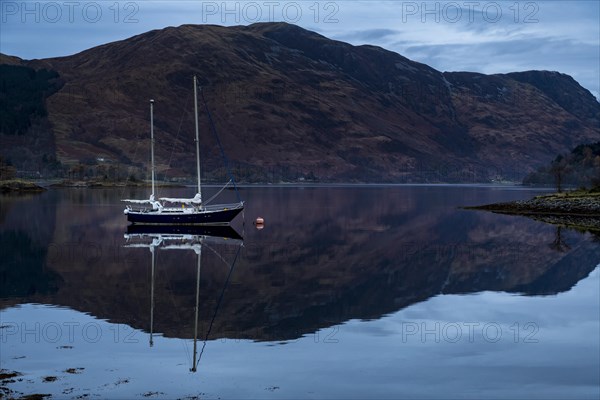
{"x":558,"y":170}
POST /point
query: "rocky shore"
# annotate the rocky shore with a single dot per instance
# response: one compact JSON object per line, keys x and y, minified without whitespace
{"x":573,"y":210}
{"x":20,"y":186}
{"x":575,"y":204}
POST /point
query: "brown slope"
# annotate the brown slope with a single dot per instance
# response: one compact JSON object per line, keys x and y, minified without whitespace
{"x":291,"y":101}
{"x":565,"y":91}
{"x":290,"y":108}
{"x":521,"y":119}
{"x":10,"y":60}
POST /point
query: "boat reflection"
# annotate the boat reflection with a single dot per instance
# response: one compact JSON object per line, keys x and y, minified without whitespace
{"x":185,"y":238}
{"x":224,"y":232}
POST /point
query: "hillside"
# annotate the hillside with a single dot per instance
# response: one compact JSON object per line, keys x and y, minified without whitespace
{"x":580,"y":168}
{"x":290,"y":104}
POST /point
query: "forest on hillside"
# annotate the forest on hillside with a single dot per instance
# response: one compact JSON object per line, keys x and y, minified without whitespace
{"x":579,"y":168}
{"x":23,"y":92}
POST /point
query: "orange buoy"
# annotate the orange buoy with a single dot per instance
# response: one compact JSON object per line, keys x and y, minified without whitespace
{"x":259,"y":223}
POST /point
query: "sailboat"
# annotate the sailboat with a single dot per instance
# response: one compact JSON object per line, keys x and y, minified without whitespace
{"x":189,"y":210}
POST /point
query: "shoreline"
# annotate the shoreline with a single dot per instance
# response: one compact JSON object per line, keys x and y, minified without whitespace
{"x":31,"y":186}
{"x":570,"y":204}
{"x":102,"y":184}
{"x":58,"y":183}
{"x":20,"y":186}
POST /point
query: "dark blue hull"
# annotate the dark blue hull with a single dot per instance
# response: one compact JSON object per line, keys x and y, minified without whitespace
{"x":205,"y":218}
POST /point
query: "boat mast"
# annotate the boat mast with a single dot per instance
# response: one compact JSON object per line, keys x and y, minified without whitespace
{"x":152,"y":144}
{"x":197,"y":139}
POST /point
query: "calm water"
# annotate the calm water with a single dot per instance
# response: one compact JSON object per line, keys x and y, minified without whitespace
{"x":348,"y":292}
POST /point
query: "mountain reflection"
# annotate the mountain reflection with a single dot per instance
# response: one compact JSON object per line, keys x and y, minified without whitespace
{"x":326,"y":255}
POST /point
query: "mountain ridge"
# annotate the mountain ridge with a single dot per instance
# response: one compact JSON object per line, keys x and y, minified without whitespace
{"x":290,"y":103}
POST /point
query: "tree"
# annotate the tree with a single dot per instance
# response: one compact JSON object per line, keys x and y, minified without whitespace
{"x":558,"y":170}
{"x":7,"y":171}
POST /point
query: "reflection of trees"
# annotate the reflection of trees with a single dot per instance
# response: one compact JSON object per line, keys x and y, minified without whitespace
{"x":571,"y":223}
{"x":559,"y":244}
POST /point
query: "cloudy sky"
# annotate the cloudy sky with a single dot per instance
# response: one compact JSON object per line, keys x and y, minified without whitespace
{"x":482,"y":36}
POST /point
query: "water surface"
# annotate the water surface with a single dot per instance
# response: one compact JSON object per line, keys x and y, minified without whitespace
{"x":348,"y":292}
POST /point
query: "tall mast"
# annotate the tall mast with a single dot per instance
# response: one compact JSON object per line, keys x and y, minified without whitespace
{"x":197,"y":139}
{"x":152,"y":144}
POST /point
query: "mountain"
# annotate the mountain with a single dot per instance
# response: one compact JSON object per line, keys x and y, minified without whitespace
{"x":289,"y":103}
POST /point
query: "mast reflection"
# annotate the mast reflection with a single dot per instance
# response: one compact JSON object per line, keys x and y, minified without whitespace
{"x":185,"y":238}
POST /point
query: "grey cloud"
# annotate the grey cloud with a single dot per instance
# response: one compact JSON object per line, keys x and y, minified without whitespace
{"x":369,"y":35}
